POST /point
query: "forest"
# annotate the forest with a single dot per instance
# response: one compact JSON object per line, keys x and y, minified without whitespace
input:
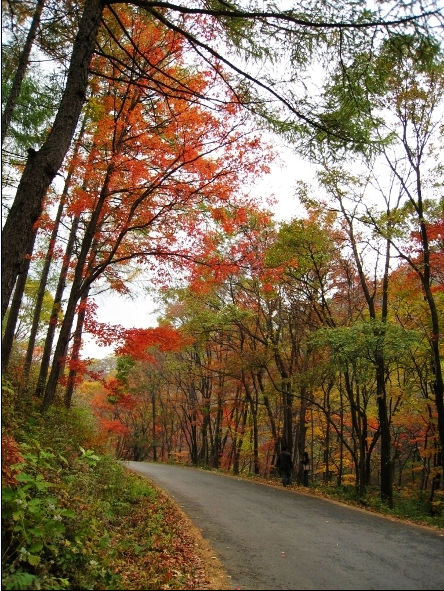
{"x":134,"y":137}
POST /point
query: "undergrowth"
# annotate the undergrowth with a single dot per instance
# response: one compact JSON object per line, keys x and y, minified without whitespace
{"x":74,"y":518}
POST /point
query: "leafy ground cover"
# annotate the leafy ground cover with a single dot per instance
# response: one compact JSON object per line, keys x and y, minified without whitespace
{"x":74,"y":518}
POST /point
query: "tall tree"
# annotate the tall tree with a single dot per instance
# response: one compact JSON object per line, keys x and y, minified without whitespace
{"x":303,"y":28}
{"x":157,"y":163}
{"x":21,"y":69}
{"x":396,"y":95}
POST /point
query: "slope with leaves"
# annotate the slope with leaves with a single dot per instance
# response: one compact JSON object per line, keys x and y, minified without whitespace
{"x":74,"y":518}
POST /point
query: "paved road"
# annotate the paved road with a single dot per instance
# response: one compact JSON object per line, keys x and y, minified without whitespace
{"x":272,"y":538}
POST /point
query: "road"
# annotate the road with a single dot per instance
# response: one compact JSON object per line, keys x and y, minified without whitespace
{"x":274,"y":538}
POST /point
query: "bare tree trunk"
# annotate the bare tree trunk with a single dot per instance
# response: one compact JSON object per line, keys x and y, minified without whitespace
{"x":8,"y":336}
{"x":42,"y":166}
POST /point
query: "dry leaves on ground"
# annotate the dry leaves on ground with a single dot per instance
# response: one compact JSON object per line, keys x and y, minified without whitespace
{"x":158,"y":547}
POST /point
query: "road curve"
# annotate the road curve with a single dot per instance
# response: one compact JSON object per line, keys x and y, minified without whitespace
{"x":272,"y":538}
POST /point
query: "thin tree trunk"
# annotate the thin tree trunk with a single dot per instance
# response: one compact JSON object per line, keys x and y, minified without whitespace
{"x":438,"y":384}
{"x":41,"y":291}
{"x":386,"y":470}
{"x":79,"y":285}
{"x":302,"y":434}
{"x":8,"y":336}
{"x":75,"y":354}
{"x":253,"y":409}
{"x":47,"y":264}
{"x":56,"y":309}
{"x":153,"y":425}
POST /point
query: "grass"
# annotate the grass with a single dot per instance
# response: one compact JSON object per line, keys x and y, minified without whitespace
{"x":74,"y":518}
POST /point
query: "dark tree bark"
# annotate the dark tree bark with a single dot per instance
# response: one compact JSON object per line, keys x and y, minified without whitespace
{"x":8,"y":336}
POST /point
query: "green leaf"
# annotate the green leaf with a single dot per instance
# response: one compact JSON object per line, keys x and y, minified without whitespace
{"x":34,"y":505}
{"x":24,"y":477}
{"x":20,"y":581}
{"x":33,"y":559}
{"x":36,"y":547}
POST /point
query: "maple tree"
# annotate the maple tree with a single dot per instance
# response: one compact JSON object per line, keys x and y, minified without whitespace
{"x":158,"y":163}
{"x":303,"y":29}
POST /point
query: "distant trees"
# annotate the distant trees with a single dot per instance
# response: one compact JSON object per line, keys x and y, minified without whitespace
{"x":398,"y":93}
{"x":290,"y":346}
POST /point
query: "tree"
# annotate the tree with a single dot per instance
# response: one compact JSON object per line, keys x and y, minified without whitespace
{"x":21,"y":70}
{"x":156,"y":163}
{"x":397,"y":96}
{"x":43,"y":164}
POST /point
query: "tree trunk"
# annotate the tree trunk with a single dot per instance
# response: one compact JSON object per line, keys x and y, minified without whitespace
{"x":47,"y":265}
{"x":75,"y":353}
{"x":42,"y":166}
{"x":302,"y":433}
{"x":384,"y":426}
{"x":56,"y":308}
{"x":8,"y":336}
{"x":153,"y":424}
{"x":386,"y":471}
{"x":41,"y":292}
{"x":79,"y":285}
{"x":438,"y":384}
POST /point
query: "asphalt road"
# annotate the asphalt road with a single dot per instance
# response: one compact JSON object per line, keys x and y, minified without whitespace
{"x":273,"y":538}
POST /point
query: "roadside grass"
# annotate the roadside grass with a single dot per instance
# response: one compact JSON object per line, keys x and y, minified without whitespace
{"x":74,"y":518}
{"x":409,"y":505}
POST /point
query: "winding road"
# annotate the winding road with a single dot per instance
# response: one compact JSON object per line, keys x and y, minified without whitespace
{"x":274,"y":538}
